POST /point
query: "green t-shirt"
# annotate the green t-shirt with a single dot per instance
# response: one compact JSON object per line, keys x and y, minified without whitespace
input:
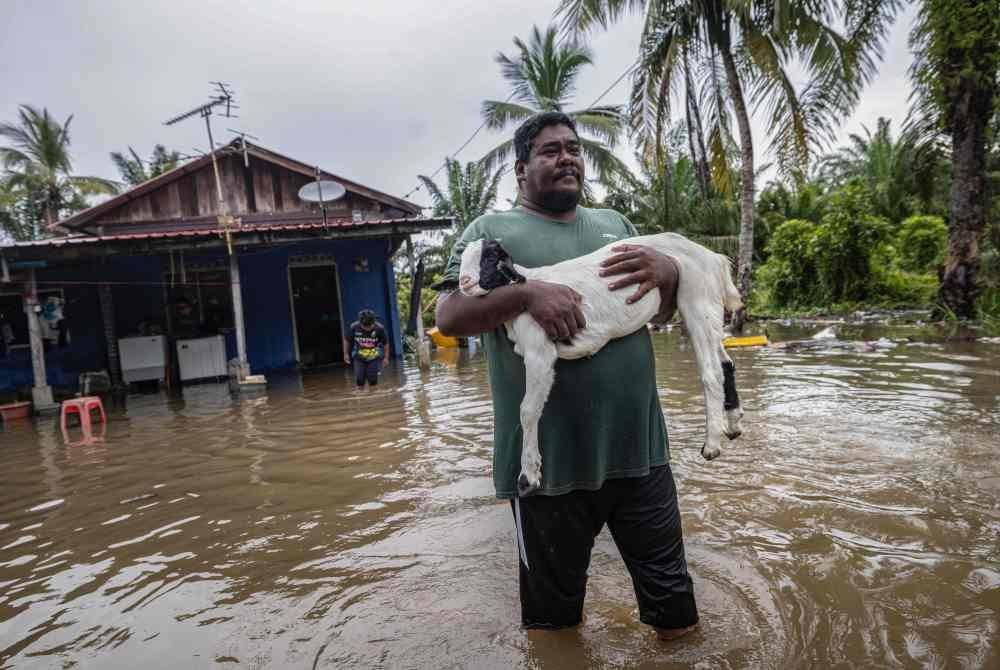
{"x":603,"y":418}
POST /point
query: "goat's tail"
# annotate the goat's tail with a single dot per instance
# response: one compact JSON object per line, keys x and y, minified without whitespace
{"x":730,"y":295}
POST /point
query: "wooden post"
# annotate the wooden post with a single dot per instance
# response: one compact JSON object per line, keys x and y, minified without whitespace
{"x":241,"y":341}
{"x":423,"y":350}
{"x":110,"y":336}
{"x":172,"y":373}
{"x":41,"y":392}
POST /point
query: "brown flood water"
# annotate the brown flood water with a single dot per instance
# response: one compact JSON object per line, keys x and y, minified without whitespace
{"x":855,"y":524}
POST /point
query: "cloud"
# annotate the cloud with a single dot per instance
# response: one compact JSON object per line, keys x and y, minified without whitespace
{"x":376,"y":90}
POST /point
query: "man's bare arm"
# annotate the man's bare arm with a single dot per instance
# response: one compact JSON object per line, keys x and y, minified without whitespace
{"x":555,"y":307}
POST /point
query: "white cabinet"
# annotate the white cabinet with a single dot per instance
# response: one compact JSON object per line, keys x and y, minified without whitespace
{"x":202,"y":357}
{"x":142,"y":358}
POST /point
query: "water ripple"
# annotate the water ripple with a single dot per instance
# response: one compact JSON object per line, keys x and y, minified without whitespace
{"x":854,"y":524}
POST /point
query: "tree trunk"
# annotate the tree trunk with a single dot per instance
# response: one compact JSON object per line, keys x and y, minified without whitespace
{"x":416,"y":288}
{"x":745,"y":264}
{"x":970,"y":115}
{"x":36,"y":234}
{"x":695,"y":133}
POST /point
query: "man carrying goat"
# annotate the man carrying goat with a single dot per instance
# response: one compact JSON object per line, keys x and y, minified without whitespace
{"x":602,"y":435}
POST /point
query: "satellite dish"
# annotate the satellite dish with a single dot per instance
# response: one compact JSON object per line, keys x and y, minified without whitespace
{"x":322,"y":191}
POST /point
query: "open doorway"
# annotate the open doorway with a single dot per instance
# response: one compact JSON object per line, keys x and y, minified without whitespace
{"x":316,"y":312}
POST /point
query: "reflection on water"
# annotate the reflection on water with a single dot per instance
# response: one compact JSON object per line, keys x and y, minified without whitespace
{"x":855,"y":523}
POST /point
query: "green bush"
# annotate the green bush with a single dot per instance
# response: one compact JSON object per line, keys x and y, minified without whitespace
{"x":897,"y":288}
{"x":922,"y":243}
{"x":789,"y":275}
{"x":847,"y":239}
{"x":849,"y":258}
{"x":988,"y":309}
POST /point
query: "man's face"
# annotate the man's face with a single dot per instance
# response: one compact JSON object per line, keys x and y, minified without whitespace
{"x":553,"y":174}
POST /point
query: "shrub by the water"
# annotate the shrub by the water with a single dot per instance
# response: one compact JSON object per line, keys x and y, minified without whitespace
{"x":922,"y":243}
{"x":826,"y":263}
{"x":848,"y":237}
{"x":789,"y":277}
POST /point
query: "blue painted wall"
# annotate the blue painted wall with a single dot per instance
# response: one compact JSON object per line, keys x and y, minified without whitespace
{"x":266,"y":300}
{"x":137,"y":293}
{"x":134,"y":292}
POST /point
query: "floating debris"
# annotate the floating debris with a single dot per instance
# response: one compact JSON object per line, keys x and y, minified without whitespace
{"x":828,"y":333}
{"x":750,"y":341}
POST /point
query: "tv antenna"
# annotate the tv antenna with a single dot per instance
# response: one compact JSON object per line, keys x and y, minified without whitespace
{"x":243,"y":143}
{"x":222,"y":97}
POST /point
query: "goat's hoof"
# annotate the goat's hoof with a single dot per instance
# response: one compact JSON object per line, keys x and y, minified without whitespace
{"x":525,"y":486}
{"x":710,"y":453}
{"x":732,"y":435}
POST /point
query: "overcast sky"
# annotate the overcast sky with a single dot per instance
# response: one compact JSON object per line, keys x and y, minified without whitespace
{"x":375,"y":90}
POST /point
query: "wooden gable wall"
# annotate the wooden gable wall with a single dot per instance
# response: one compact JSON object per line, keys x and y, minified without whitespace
{"x":264,"y":188}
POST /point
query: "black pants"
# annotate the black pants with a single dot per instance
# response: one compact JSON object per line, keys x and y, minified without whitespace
{"x":556,"y":535}
{"x":367,"y":370}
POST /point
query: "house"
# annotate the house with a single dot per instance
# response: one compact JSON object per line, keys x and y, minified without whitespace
{"x":235,"y":262}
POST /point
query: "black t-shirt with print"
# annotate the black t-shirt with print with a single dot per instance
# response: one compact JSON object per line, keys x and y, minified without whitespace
{"x":367,"y":345}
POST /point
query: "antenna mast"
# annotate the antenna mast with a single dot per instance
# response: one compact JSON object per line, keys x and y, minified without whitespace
{"x":222,"y":97}
{"x":243,"y":135}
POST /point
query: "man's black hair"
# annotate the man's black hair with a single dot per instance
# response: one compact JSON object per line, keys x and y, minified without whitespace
{"x":528,"y":131}
{"x":366,"y":317}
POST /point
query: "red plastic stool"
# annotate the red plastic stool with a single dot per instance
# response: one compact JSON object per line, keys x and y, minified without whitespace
{"x":83,"y":407}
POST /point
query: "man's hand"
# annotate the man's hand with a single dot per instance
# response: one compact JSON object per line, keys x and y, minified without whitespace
{"x":649,"y":269}
{"x":347,"y":359}
{"x":385,"y":360}
{"x":555,"y":307}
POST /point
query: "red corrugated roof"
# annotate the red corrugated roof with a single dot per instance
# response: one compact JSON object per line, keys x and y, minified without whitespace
{"x":333,"y":224}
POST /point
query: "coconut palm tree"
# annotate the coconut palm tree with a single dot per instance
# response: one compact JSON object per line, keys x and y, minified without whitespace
{"x":740,"y":51}
{"x":38,"y":167}
{"x":134,"y":170}
{"x":11,"y":224}
{"x":543,"y":77}
{"x":671,"y":194}
{"x":471,"y":192}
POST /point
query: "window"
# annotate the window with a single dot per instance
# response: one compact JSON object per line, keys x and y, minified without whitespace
{"x":209,"y":293}
{"x":12,"y":315}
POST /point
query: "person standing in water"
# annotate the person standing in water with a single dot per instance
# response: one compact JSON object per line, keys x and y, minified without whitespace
{"x":366,"y":347}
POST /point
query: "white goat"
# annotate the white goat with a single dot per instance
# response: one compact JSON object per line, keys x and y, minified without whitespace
{"x":704,"y":289}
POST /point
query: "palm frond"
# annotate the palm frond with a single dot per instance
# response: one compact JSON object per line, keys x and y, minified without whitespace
{"x":580,"y":16}
{"x":497,"y":156}
{"x":441,"y":205}
{"x":499,"y":115}
{"x":610,"y":170}
{"x":603,"y":122}
{"x":94,"y":185}
{"x":12,"y":158}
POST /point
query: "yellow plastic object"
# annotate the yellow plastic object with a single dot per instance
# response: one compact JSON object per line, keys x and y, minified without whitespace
{"x":752,"y":341}
{"x":442,"y":340}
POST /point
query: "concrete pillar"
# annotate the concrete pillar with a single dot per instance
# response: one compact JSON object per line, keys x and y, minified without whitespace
{"x":41,"y":392}
{"x":423,"y":349}
{"x":241,"y":339}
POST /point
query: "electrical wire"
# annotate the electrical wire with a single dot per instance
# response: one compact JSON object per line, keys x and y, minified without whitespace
{"x":610,"y":88}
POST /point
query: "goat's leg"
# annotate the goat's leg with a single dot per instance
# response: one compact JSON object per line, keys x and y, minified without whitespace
{"x":539,"y":374}
{"x":731,"y":403}
{"x":704,"y":325}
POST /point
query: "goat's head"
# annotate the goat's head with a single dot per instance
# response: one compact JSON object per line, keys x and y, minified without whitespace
{"x":485,"y":266}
